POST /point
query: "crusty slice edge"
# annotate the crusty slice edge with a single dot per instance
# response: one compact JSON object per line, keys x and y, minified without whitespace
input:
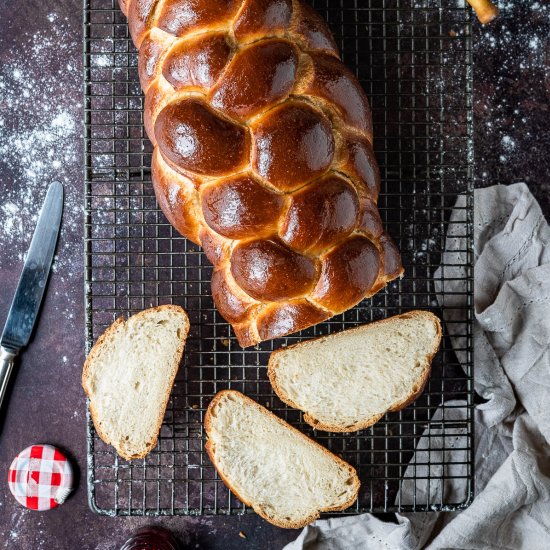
{"x":361,"y":425}
{"x":86,"y":374}
{"x":208,"y":425}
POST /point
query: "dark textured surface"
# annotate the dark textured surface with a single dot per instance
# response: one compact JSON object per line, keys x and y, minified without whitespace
{"x":512,"y":121}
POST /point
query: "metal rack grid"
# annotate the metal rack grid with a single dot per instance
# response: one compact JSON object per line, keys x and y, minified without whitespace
{"x":413,"y":58}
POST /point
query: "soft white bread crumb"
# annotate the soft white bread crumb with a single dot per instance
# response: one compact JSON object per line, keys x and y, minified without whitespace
{"x":285,"y":476}
{"x":129,"y":374}
{"x":349,"y":380}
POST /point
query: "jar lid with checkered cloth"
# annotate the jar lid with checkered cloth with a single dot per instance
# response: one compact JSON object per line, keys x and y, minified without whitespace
{"x":40,"y":477}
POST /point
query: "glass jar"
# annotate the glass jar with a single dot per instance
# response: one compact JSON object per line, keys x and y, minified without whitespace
{"x":151,"y":538}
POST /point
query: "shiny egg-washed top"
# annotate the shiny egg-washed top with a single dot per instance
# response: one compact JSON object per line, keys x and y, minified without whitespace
{"x":263,"y":155}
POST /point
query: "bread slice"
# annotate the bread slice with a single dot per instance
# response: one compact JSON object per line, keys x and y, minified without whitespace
{"x":285,"y":476}
{"x":347,"y":381}
{"x":129,"y":375}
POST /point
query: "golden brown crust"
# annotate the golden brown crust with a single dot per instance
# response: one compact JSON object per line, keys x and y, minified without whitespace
{"x":277,"y":320}
{"x":176,"y":197}
{"x":249,"y":102}
{"x":288,"y":525}
{"x":415,"y":393}
{"x":96,"y":348}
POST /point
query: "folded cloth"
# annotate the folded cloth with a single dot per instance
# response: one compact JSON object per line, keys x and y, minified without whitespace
{"x":512,"y":373}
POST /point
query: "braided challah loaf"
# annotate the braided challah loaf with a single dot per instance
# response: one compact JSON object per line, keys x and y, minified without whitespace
{"x":263,"y":155}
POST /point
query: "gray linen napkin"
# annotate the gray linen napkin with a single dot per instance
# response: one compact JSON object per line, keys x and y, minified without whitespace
{"x":512,"y":372}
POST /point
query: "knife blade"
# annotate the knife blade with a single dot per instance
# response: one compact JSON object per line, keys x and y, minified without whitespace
{"x":32,"y":283}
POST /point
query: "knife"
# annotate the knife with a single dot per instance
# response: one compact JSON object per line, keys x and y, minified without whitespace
{"x":32,"y":282}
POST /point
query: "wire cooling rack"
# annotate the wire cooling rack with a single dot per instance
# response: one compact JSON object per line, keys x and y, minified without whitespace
{"x":413,"y":58}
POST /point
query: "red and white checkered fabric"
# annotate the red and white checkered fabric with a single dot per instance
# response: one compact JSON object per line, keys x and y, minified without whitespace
{"x":40,"y":477}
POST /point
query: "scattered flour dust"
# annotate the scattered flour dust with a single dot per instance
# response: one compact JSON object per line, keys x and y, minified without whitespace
{"x":40,"y":135}
{"x":519,"y":41}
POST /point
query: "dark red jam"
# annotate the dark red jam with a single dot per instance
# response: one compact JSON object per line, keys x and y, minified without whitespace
{"x":152,"y":538}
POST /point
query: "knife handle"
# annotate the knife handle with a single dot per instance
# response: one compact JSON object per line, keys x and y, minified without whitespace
{"x":6,"y":366}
